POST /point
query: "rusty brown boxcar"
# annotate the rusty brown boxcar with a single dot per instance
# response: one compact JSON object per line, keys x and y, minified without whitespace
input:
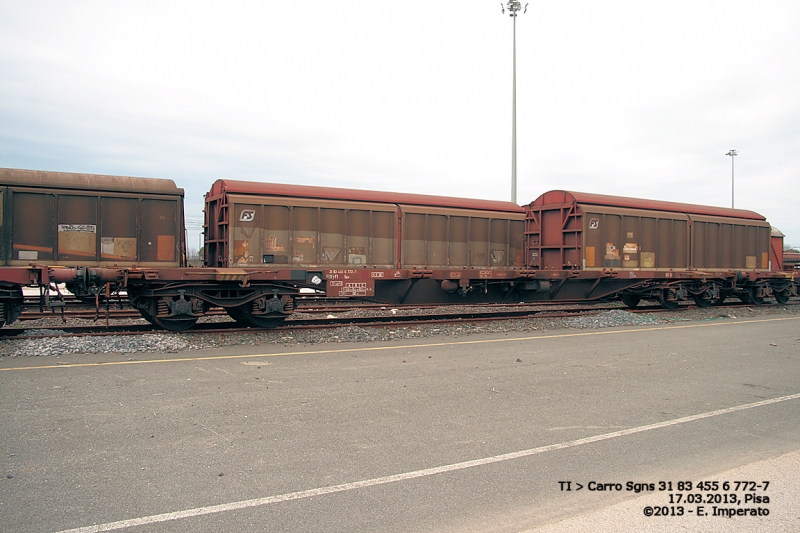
{"x":65,"y":219}
{"x":388,"y":246}
{"x":791,"y":261}
{"x":668,"y":251}
{"x":266,"y":243}
{"x":253,"y":223}
{"x":83,"y":230}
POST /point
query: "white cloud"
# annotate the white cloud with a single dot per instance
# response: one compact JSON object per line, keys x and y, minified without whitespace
{"x":625,"y":98}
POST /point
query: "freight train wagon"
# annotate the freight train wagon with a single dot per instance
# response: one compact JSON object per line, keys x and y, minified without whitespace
{"x":401,"y":248}
{"x":386,"y":247}
{"x":791,"y":261}
{"x":660,"y":251}
{"x":82,"y":229}
{"x":99,"y":235}
{"x":266,"y":243}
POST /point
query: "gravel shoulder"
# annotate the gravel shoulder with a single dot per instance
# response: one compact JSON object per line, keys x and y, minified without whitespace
{"x":58,"y":344}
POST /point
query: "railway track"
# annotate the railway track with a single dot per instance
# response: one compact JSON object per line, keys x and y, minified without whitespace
{"x":303,"y":323}
{"x":75,"y":309}
{"x":78,"y":309}
{"x":104,"y":328}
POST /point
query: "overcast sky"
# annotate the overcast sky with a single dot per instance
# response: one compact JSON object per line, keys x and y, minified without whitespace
{"x":627,"y":98}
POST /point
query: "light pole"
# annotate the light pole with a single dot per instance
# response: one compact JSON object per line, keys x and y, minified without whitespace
{"x":732,"y":153}
{"x":513,"y":7}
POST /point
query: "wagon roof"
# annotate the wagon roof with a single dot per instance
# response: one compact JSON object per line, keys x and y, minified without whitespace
{"x":357,"y":195}
{"x":570,"y":197}
{"x":86,"y":182}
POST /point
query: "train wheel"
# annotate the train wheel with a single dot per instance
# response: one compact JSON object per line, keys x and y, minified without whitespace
{"x":631,"y":300}
{"x":175,"y":323}
{"x":266,"y":321}
{"x":667,"y":299}
{"x":781,"y":297}
{"x":703,"y":299}
{"x":243,"y":315}
{"x":744,"y":297}
{"x":239,"y":314}
{"x":11,"y":307}
{"x":147,"y":316}
{"x":756,"y":300}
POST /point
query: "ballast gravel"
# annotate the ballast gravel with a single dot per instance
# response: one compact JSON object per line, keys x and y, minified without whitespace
{"x":53,"y":342}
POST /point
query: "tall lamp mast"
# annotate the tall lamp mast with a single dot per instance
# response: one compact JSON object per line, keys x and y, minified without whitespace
{"x":513,"y":7}
{"x":732,"y":153}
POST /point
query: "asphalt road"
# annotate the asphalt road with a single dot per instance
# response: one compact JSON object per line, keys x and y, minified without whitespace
{"x":443,"y":434}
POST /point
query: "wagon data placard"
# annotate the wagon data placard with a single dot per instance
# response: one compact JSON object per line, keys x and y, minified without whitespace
{"x":350,"y":283}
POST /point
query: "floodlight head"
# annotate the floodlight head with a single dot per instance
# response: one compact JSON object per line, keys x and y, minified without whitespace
{"x":513,"y":7}
{"x":732,"y":153}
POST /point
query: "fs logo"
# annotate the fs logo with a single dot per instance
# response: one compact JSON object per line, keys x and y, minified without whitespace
{"x":594,"y":223}
{"x":248,"y":215}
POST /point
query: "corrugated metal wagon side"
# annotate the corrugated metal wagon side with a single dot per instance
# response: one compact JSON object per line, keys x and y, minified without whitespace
{"x":646,"y":249}
{"x":388,"y":247}
{"x":84,"y":230}
{"x":65,"y":219}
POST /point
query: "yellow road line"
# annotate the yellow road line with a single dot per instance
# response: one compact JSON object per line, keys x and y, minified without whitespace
{"x":401,"y":347}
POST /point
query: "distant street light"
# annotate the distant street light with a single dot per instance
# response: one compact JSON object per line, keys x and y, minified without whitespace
{"x":513,"y":7}
{"x":732,"y":153}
